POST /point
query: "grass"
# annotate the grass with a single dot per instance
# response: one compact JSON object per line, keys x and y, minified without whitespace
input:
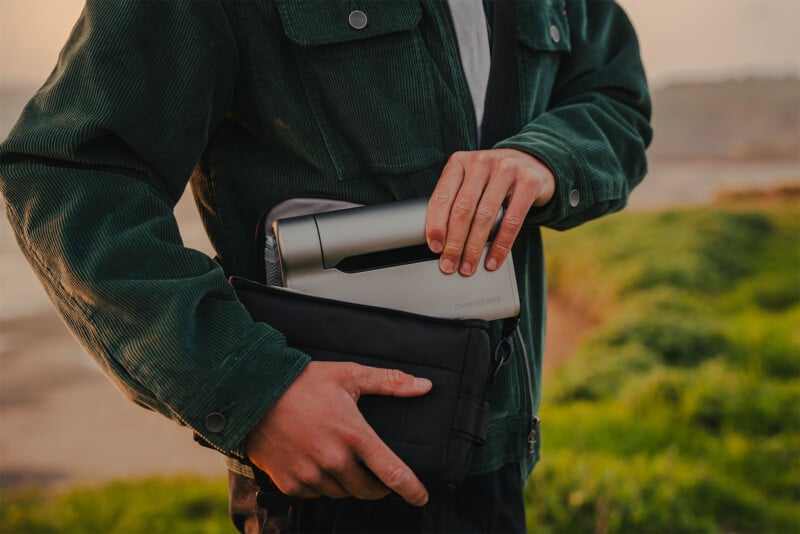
{"x":679,"y":413}
{"x":187,"y":505}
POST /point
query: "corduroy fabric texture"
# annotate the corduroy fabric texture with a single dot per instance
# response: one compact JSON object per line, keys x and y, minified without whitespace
{"x":257,"y":102}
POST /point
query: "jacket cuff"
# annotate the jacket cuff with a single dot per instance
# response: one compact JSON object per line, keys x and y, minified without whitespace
{"x":573,"y":192}
{"x":251,"y":380}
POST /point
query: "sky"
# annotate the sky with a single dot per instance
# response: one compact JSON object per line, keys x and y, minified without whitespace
{"x":680,"y":39}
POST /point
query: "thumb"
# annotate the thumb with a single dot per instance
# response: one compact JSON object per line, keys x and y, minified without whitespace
{"x":378,"y":381}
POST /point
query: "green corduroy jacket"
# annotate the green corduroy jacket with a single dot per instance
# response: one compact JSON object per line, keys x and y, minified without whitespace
{"x":254,"y":102}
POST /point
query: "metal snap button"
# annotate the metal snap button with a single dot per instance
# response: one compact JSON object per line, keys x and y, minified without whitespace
{"x":216,"y":422}
{"x":357,"y":20}
{"x":574,"y":198}
{"x":555,"y":35}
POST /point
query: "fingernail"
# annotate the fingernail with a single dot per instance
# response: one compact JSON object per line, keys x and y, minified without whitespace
{"x":448,"y":266}
{"x":466,"y":268}
{"x":491,"y":264}
{"x":436,"y":246}
{"x":424,"y":500}
{"x":422,"y":383}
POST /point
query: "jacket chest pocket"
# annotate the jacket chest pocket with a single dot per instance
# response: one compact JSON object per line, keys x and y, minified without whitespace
{"x":544,"y":35}
{"x":368,"y":82}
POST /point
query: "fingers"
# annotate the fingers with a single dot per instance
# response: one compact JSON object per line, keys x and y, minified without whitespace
{"x":343,"y":476}
{"x":514,"y":216}
{"x":465,"y":202}
{"x":310,"y":483}
{"x":388,"y":468}
{"x":453,"y":206}
{"x":485,"y":214}
{"x":441,"y":202}
{"x":377,"y":456}
{"x":312,"y":438}
{"x":462,"y":214}
{"x":365,"y":380}
{"x":335,"y":480}
{"x":359,"y":483}
{"x":390,"y":473}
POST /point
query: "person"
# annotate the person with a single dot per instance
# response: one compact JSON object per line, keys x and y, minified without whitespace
{"x":256,"y":103}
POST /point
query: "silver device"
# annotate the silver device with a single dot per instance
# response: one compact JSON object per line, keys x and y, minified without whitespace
{"x":377,"y":255}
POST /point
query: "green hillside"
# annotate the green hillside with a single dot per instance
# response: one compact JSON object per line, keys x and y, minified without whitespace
{"x":681,"y":413}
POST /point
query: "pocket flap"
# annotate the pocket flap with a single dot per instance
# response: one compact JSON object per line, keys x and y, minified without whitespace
{"x":314,"y":22}
{"x":543,"y":25}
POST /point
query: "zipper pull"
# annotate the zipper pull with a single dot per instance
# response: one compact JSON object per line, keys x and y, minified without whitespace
{"x":502,"y":353}
{"x":533,"y":435}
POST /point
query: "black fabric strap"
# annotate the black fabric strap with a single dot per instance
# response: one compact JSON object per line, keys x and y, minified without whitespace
{"x":497,"y":118}
{"x":472,"y":419}
{"x":502,"y":74}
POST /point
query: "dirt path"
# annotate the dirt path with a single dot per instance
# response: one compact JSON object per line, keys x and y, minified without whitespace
{"x":567,"y":326}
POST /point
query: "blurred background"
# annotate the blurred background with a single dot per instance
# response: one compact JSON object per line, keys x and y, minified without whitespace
{"x":672,"y":387}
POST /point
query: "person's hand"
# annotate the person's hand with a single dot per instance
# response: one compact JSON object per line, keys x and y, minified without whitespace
{"x":464,"y":205}
{"x":311,"y":441}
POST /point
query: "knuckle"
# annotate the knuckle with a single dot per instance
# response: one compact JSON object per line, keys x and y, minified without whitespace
{"x":528,"y":187}
{"x":472,"y":250}
{"x":483,"y":157}
{"x":352,"y":438}
{"x":507,"y":166}
{"x":395,"y":377}
{"x":512,"y":222}
{"x":484,"y":213}
{"x":292,"y":488}
{"x":462,"y":209}
{"x":394,"y":475}
{"x":452,"y":250}
{"x":351,"y":370}
{"x":531,"y":177}
{"x":333,"y":463}
{"x":502,"y":246}
{"x":309,"y":477}
{"x":440,"y":198}
{"x":457,"y":156}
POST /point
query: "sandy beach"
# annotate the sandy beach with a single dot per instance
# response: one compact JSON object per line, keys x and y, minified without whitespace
{"x":61,"y":420}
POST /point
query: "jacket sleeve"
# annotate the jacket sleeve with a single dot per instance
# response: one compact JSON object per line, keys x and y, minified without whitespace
{"x":90,"y":175}
{"x":596,"y":128}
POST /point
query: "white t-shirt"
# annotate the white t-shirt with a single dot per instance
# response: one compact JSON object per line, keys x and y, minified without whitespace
{"x":472,"y":35}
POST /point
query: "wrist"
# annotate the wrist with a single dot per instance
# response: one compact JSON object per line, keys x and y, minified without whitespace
{"x":541,"y":175}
